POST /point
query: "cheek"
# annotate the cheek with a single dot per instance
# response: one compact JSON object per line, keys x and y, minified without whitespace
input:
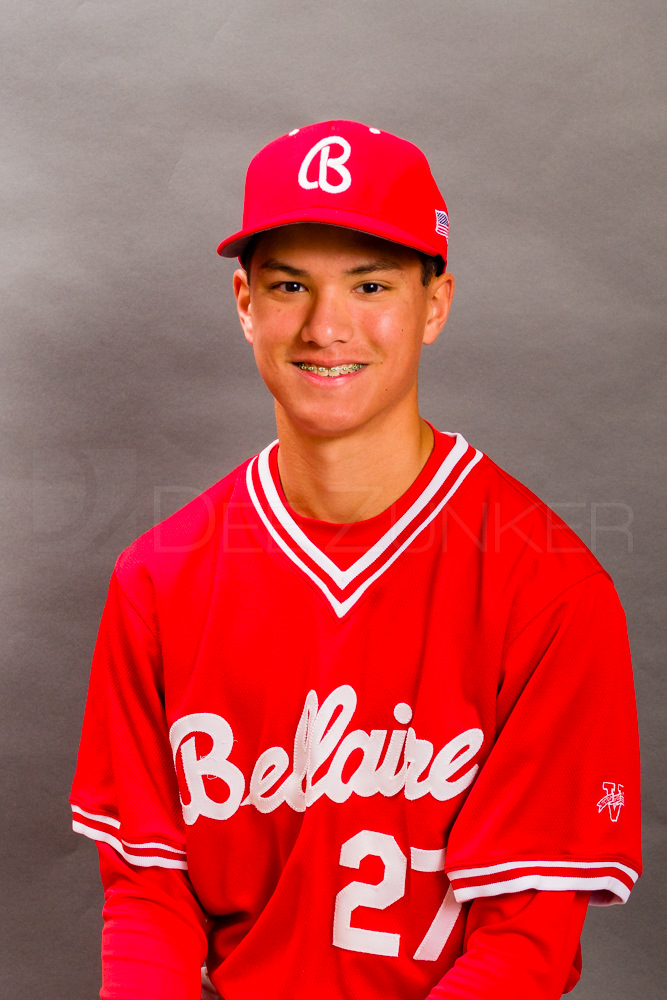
{"x":268,"y":341}
{"x":273,"y":329}
{"x":400,"y":339}
{"x":266,"y":362}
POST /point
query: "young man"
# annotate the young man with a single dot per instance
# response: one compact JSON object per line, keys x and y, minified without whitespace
{"x":361,"y":719}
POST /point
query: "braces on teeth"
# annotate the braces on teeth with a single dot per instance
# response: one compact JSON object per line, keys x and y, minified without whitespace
{"x":330,"y":372}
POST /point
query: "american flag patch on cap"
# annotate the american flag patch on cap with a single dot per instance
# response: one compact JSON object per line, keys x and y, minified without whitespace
{"x":441,"y":223}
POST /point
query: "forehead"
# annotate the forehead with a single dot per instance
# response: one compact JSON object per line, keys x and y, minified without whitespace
{"x":325,"y":243}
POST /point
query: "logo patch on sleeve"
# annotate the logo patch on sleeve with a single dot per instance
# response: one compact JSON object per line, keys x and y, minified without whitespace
{"x":613,"y":799}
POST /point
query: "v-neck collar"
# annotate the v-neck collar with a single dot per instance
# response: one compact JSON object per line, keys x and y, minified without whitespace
{"x":345,"y":542}
{"x":343,"y":587}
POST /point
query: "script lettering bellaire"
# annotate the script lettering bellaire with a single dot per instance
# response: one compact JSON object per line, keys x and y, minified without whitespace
{"x":322,"y":750}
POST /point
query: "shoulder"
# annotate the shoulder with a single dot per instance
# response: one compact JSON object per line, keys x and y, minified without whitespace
{"x":524,"y":553}
{"x":523,"y":521}
{"x":189,"y":539}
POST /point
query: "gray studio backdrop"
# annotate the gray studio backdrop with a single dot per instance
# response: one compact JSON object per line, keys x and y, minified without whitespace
{"x":128,"y":388}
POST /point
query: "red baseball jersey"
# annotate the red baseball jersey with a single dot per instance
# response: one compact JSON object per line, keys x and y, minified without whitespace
{"x":345,"y":733}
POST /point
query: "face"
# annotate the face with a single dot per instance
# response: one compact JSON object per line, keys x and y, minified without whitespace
{"x":337,"y":320}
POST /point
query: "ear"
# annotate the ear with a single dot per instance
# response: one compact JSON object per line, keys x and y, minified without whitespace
{"x":242,"y":295}
{"x":439,"y":299}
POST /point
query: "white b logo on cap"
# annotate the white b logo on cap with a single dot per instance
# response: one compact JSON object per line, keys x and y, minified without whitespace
{"x":323,"y":147}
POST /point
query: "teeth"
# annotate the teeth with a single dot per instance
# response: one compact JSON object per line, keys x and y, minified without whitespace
{"x":333,"y":372}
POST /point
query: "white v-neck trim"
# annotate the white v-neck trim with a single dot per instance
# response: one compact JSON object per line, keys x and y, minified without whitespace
{"x":343,"y":578}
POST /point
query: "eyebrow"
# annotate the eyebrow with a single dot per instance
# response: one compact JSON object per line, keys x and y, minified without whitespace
{"x":278,"y":265}
{"x":378,"y":264}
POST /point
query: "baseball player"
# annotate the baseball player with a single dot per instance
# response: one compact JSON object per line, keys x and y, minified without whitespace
{"x":361,"y":719}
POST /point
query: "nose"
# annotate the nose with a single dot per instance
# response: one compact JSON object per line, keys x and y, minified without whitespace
{"x":328,"y":320}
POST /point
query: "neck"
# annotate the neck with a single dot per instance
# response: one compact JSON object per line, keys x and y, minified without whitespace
{"x":351,"y":478}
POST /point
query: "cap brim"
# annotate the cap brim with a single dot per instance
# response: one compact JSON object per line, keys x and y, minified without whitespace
{"x":235,"y":244}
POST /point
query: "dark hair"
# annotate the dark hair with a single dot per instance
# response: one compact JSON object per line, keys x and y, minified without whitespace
{"x":431,"y":266}
{"x":246,"y":254}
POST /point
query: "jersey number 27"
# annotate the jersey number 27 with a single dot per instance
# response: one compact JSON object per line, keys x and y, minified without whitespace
{"x":381,"y":895}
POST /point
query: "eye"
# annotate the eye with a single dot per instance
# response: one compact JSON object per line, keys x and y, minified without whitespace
{"x":289,"y":286}
{"x":370,"y":288}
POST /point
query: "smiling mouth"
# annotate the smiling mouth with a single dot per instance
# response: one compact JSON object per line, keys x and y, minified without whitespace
{"x":334,"y":372}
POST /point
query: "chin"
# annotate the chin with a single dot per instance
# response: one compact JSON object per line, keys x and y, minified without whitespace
{"x":329,"y":425}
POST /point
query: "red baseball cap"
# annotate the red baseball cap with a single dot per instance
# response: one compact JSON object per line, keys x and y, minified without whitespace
{"x":346,"y":174}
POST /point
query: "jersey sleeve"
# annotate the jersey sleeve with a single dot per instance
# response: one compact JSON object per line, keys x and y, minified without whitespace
{"x":154,"y":938}
{"x":523,"y":944}
{"x":556,"y":803}
{"x":125,"y":792}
